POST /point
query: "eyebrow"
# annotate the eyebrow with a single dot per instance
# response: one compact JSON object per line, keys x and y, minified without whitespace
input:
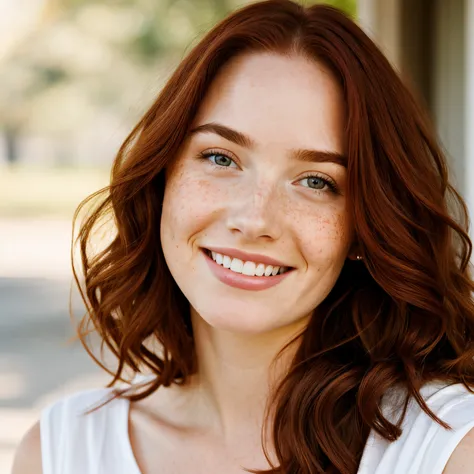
{"x":239,"y":138}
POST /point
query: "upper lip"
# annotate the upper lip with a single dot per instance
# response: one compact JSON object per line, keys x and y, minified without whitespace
{"x":245,"y":256}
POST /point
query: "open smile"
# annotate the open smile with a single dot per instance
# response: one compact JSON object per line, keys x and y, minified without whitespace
{"x":259,"y":273}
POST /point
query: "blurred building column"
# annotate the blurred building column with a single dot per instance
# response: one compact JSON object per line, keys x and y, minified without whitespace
{"x":431,"y":44}
{"x":469,"y":107}
{"x":449,"y":84}
{"x":403,"y":29}
{"x":381,"y":21}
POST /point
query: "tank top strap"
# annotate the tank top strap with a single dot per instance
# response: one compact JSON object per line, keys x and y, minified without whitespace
{"x":424,"y":446}
{"x":74,"y":441}
{"x":455,"y":407}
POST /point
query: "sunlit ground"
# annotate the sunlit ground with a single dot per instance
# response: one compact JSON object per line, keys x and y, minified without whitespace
{"x":37,"y":364}
{"x":38,"y":192}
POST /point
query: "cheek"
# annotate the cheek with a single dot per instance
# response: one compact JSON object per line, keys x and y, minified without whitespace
{"x":189,"y":203}
{"x":324,"y":235}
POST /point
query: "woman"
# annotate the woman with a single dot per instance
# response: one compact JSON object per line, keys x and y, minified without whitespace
{"x":286,"y":271}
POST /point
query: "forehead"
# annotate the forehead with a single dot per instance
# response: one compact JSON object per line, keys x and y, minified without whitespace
{"x":280,"y":99}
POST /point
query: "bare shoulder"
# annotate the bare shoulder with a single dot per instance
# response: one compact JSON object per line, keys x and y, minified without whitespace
{"x":28,"y":454}
{"x":462,"y":459}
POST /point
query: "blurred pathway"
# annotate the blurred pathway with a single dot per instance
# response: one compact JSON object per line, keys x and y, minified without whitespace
{"x":38,"y":364}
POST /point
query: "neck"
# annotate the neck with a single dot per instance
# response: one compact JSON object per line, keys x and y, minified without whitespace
{"x":237,"y":373}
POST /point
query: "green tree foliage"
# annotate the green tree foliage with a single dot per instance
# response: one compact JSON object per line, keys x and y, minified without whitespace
{"x":349,"y":6}
{"x":93,"y":62}
{"x":169,"y":25}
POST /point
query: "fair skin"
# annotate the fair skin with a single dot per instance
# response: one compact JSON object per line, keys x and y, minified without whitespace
{"x":259,"y":198}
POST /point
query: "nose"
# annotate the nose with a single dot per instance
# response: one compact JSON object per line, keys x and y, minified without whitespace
{"x":256,"y":214}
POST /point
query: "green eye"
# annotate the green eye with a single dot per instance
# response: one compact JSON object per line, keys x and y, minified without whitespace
{"x":318,"y":183}
{"x":220,"y":160}
{"x":314,"y":182}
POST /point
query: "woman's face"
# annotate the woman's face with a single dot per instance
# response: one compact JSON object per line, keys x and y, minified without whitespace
{"x":260,"y":186}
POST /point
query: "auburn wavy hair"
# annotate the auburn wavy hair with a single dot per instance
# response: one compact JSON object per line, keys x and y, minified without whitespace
{"x":402,"y":317}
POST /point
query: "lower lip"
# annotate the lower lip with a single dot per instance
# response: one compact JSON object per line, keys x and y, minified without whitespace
{"x":243,"y":282}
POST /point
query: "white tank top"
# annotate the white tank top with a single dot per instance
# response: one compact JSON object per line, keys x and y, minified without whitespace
{"x":98,"y":443}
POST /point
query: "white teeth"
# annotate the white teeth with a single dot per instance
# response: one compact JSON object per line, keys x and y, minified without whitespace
{"x":268,"y":270}
{"x":249,"y":268}
{"x":236,"y":265}
{"x":260,"y":270}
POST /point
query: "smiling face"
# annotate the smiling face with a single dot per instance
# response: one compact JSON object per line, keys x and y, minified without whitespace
{"x":252,"y":187}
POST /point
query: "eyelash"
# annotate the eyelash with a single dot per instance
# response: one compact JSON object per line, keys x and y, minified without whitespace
{"x":205,"y":155}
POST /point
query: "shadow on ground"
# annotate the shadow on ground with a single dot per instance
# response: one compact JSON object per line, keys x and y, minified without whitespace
{"x":38,"y":362}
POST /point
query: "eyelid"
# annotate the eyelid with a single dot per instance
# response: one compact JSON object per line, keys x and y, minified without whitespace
{"x":220,"y":151}
{"x":316,"y":174}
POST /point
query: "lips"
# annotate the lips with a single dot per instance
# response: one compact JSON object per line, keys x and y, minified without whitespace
{"x":246,"y":257}
{"x":248,"y":274}
{"x":247,"y":267}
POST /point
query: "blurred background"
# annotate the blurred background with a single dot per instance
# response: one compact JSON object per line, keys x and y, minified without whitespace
{"x":75,"y":77}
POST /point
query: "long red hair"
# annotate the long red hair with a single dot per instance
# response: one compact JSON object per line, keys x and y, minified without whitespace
{"x":400,"y":318}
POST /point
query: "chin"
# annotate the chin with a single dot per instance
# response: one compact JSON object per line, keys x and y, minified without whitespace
{"x":240,"y":318}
